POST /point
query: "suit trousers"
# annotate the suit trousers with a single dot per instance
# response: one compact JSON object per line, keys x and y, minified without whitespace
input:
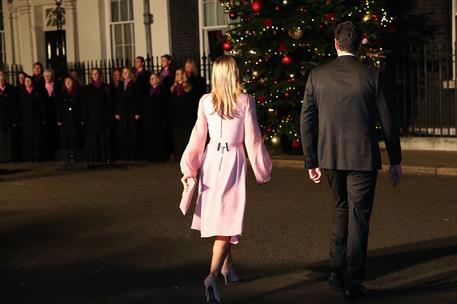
{"x":353,"y":192}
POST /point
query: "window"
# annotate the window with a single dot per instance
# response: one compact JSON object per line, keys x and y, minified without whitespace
{"x":213,"y":22}
{"x":2,"y":37}
{"x":122,"y":29}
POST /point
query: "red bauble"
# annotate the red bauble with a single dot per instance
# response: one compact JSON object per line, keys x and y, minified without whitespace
{"x":277,"y":8}
{"x":296,"y":143}
{"x":286,"y":60}
{"x":282,"y":48}
{"x":375,"y":17}
{"x":256,"y":6}
{"x":261,"y":99}
{"x":268,"y":22}
{"x":329,"y":17}
{"x":286,"y":94}
{"x":227,"y":46}
{"x":233,"y":15}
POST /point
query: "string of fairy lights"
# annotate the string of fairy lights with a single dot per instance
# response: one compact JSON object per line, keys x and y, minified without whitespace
{"x":280,"y":41}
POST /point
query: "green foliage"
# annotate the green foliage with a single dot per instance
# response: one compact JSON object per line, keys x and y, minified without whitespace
{"x":279,"y":42}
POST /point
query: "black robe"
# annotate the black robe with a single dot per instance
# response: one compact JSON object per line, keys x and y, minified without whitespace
{"x":183,"y":114}
{"x":69,"y":115}
{"x":154,"y":122}
{"x":198,"y":84}
{"x":142,"y":79}
{"x":32,"y":120}
{"x":7,"y":121}
{"x":50,"y":130}
{"x":97,"y":115}
{"x":127,"y":105}
{"x":167,"y":82}
{"x":38,"y":81}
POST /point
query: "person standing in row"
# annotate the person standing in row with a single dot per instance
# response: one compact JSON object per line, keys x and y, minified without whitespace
{"x":167,"y":73}
{"x":127,"y":114}
{"x":7,"y":119}
{"x":20,"y":81}
{"x":141,"y":74}
{"x":69,"y":116}
{"x":154,"y":120}
{"x":196,"y":81}
{"x":167,"y":77}
{"x":183,"y":112}
{"x":50,"y":133}
{"x":114,"y":88}
{"x":37,"y":77}
{"x":97,"y":118}
{"x":32,"y":120}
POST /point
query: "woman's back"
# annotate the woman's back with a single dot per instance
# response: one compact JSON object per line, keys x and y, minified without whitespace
{"x":226,"y":130}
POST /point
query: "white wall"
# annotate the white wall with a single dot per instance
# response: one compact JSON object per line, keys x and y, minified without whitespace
{"x":161,"y":36}
{"x":89,"y":37}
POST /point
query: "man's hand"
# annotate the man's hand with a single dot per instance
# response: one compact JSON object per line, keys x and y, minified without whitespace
{"x":395,"y":174}
{"x":117,"y":116}
{"x":315,"y":175}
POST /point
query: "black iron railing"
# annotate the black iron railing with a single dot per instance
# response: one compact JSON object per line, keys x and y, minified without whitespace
{"x":424,"y":90}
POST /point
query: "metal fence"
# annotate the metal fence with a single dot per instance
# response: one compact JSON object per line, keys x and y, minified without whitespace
{"x":152,"y":64}
{"x":423,"y":79}
{"x":424,"y":88}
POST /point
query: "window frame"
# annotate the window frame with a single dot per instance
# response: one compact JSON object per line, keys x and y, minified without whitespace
{"x":130,"y":22}
{"x":203,"y":28}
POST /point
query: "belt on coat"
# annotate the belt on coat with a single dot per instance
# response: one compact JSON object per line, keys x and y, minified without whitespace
{"x":222,"y":146}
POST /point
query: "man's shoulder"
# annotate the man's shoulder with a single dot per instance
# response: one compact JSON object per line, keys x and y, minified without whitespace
{"x":353,"y":63}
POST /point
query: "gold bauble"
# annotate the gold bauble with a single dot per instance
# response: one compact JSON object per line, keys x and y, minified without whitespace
{"x":275,"y":141}
{"x":367,"y":17}
{"x":296,"y":33}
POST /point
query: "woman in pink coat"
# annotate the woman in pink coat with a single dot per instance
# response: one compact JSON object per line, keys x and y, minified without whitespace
{"x":230,"y":118}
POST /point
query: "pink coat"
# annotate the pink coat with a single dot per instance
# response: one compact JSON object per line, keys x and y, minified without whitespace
{"x":222,"y":184}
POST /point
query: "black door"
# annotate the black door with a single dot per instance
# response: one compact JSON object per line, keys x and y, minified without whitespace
{"x":56,"y":53}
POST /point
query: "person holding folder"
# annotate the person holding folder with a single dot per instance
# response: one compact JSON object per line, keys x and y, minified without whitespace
{"x":230,"y":117}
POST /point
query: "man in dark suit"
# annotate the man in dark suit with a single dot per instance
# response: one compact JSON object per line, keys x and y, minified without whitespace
{"x":342,"y":103}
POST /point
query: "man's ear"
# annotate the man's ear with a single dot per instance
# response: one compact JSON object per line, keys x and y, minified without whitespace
{"x":337,"y":46}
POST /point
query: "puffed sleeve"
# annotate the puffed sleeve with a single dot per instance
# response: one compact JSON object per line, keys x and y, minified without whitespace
{"x":258,"y":155}
{"x":193,"y":156}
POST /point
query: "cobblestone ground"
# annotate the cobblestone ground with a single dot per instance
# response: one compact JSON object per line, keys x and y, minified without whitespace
{"x":116,"y":235}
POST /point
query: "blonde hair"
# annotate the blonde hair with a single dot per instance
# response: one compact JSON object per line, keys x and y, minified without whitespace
{"x":225,"y":86}
{"x":131,"y":74}
{"x":185,"y":82}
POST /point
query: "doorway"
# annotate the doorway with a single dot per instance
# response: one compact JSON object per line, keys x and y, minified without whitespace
{"x":56,"y":53}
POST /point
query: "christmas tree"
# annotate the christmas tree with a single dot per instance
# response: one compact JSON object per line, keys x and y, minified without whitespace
{"x":280,"y":41}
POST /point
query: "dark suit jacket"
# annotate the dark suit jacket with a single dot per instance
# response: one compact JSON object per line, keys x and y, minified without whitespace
{"x":343,"y":101}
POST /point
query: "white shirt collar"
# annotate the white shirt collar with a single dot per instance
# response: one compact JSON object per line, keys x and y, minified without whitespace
{"x":343,"y":53}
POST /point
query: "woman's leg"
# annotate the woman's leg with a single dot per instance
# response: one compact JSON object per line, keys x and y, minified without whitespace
{"x":220,"y":250}
{"x":228,"y":271}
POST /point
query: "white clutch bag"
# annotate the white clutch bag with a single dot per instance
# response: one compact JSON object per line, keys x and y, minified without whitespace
{"x":187,"y":195}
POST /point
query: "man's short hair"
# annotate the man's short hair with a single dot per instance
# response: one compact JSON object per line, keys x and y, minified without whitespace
{"x":348,"y":37}
{"x":166,"y":56}
{"x":141,"y":58}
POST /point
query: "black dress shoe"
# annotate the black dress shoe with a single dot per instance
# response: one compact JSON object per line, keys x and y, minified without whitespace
{"x":353,"y":293}
{"x":335,"y":282}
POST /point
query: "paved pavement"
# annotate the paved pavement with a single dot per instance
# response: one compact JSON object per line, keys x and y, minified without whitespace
{"x":415,"y":162}
{"x":115,"y":235}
